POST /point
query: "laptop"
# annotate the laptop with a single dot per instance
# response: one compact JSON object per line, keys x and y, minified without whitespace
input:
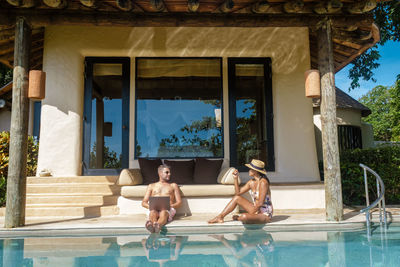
{"x":159,"y":203}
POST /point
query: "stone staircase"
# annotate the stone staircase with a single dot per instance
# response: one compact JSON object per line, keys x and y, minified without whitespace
{"x":77,"y":197}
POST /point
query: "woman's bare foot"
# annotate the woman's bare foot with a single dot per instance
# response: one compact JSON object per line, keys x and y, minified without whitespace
{"x":217,"y":219}
{"x":235,"y":217}
{"x":149,"y":226}
{"x":157,"y":227}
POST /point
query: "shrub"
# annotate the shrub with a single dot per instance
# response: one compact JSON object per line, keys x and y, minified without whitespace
{"x":33,"y":147}
{"x":385,"y":161}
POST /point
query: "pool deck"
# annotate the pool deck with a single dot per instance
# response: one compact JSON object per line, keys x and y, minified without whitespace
{"x":286,"y":220}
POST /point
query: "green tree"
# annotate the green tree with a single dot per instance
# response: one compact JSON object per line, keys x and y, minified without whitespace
{"x":387,"y":17}
{"x":5,"y":75}
{"x":110,"y":158}
{"x":195,"y":136}
{"x":384,"y":103}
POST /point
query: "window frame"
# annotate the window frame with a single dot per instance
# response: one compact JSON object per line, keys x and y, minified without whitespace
{"x":87,"y":113}
{"x":345,"y":131}
{"x":266,"y":61}
{"x":222,"y":106}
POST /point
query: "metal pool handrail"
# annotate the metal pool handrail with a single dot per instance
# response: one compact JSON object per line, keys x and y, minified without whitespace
{"x":381,"y":197}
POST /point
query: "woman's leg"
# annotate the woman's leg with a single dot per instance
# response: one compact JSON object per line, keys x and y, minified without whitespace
{"x":236,"y":200}
{"x":254,"y":218}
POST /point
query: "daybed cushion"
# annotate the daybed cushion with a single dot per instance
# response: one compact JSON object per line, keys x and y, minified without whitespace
{"x":226,"y":176}
{"x":193,"y":190}
{"x":181,"y":171}
{"x":206,"y":171}
{"x":149,"y":169}
{"x":130,"y":177}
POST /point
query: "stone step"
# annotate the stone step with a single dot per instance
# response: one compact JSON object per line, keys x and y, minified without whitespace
{"x":71,"y":199}
{"x":72,"y":211}
{"x":73,"y":188}
{"x":74,"y":179}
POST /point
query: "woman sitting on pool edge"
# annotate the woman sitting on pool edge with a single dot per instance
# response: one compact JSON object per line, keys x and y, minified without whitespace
{"x":260,"y":210}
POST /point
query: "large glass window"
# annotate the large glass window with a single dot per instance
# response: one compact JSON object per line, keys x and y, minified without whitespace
{"x":178,"y":108}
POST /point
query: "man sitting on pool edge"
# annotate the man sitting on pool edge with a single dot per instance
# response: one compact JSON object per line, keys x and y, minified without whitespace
{"x":158,"y":218}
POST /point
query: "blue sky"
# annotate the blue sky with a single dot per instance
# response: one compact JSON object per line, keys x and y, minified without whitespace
{"x":385,"y":74}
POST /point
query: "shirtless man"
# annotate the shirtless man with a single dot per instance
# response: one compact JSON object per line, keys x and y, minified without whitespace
{"x":158,"y":218}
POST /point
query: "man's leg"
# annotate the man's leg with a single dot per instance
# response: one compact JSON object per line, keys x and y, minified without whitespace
{"x":153,"y":218}
{"x":162,"y":220}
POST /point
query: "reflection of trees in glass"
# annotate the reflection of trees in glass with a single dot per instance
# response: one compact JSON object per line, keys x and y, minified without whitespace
{"x":196,"y":137}
{"x":138,"y":150}
{"x":110,"y":158}
{"x":246,"y":138}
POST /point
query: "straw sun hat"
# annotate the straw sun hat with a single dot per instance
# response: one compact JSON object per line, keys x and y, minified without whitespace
{"x":257,"y":165}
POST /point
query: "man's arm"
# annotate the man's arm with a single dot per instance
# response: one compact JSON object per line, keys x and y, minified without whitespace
{"x":178,"y":199}
{"x":145,"y":202}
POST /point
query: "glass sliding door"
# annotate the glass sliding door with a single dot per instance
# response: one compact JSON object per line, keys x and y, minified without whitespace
{"x":106,"y":115}
{"x":250,"y":106}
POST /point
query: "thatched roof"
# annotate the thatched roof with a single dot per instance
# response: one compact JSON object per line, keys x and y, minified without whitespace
{"x":343,"y":100}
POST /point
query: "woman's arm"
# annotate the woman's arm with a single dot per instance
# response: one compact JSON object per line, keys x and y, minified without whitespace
{"x":238,"y":190}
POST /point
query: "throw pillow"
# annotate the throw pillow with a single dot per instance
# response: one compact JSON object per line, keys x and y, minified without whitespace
{"x":226,"y":177}
{"x":206,"y":171}
{"x":149,"y":170}
{"x":130,"y":177}
{"x":181,"y":171}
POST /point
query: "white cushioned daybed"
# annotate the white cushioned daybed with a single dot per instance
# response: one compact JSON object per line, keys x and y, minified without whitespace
{"x":196,"y":198}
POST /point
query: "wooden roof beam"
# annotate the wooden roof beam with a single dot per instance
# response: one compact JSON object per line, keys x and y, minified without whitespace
{"x":7,"y":63}
{"x":328,"y":7}
{"x":22,"y":3}
{"x":88,"y":3}
{"x":60,"y":4}
{"x":293,"y":6}
{"x":193,"y":5}
{"x":226,"y":6}
{"x":129,"y":19}
{"x":125,"y":5}
{"x":375,"y":38}
{"x":158,"y":5}
{"x":258,"y":7}
{"x":360,"y":7}
{"x":353,"y":37}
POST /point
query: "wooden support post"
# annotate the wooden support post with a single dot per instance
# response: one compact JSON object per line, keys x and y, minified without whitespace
{"x":16,"y":181}
{"x":330,"y":148}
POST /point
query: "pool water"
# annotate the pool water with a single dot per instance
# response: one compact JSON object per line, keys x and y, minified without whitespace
{"x":247,"y":248}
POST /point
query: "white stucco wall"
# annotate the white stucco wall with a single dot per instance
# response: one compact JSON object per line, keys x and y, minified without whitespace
{"x":5,"y":120}
{"x":66,"y":47}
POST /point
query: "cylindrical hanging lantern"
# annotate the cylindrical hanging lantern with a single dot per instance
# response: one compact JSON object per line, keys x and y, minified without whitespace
{"x":37,"y":81}
{"x":313,"y":83}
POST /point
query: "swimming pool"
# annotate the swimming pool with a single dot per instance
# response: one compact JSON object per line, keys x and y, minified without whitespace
{"x":247,"y":248}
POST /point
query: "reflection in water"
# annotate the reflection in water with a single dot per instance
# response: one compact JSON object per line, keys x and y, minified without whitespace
{"x":13,"y":252}
{"x":161,"y":249}
{"x":248,"y":248}
{"x":251,"y":248}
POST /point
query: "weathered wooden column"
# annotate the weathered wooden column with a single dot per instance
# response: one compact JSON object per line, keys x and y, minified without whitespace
{"x":16,"y":181}
{"x":330,"y":148}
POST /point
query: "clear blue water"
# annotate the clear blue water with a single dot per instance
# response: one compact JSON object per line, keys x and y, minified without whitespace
{"x":248,"y":248}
